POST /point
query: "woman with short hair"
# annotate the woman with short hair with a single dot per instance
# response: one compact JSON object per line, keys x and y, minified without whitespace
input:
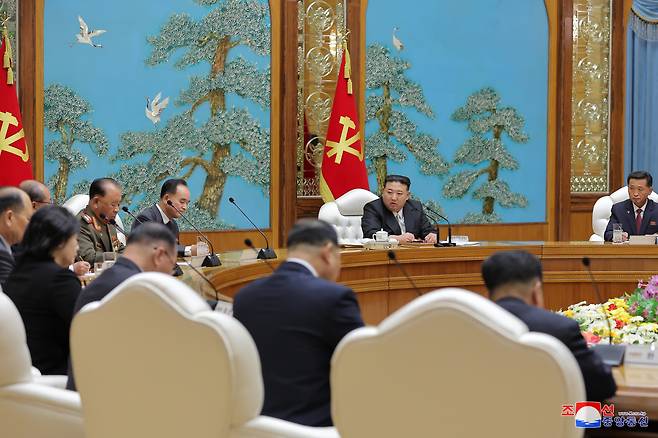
{"x":44,"y":289}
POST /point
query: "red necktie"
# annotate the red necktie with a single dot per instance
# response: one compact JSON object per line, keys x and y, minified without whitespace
{"x":638,"y":220}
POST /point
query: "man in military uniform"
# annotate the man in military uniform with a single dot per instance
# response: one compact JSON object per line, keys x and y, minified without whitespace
{"x":96,"y":234}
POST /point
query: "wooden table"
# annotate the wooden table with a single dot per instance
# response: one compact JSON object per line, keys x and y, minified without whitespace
{"x":381,"y":287}
{"x":637,"y":389}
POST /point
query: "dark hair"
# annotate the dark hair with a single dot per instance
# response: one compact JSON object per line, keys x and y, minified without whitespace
{"x":34,"y":190}
{"x":151,"y":233}
{"x":11,"y":199}
{"x":311,"y":232}
{"x":171,"y":185}
{"x":508,"y":267}
{"x":640,"y":174}
{"x":398,"y":178}
{"x":98,"y":185}
{"x":49,"y":227}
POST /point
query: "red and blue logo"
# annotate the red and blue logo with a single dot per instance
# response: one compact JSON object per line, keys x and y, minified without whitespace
{"x":588,"y":415}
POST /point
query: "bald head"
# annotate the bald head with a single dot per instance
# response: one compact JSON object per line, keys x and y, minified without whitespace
{"x":38,"y":192}
{"x":15,"y":213}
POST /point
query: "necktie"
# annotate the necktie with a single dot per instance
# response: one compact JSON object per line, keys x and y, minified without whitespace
{"x":638,"y":220}
{"x":401,"y":222}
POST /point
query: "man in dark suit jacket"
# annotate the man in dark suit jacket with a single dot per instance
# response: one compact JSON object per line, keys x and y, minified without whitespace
{"x":176,"y":191}
{"x":402,"y":218}
{"x":151,"y":247}
{"x":514,"y":281}
{"x":297,"y":316}
{"x":15,"y":213}
{"x":637,"y":215}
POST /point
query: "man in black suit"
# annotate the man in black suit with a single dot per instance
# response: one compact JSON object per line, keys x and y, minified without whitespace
{"x":151,"y":247}
{"x":514,"y":281}
{"x":176,"y":191}
{"x":637,"y":215}
{"x":297,"y":316}
{"x":402,"y":218}
{"x":15,"y":213}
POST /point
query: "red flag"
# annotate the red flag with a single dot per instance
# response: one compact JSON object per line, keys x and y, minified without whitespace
{"x":15,"y":164}
{"x":343,"y":165}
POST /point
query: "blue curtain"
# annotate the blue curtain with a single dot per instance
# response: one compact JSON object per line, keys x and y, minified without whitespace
{"x":641,"y":131}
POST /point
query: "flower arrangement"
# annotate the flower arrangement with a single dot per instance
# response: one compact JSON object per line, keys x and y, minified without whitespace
{"x":632,"y":318}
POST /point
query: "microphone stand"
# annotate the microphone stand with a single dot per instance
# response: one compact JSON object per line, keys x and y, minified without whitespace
{"x":211,"y":259}
{"x":393,"y":257}
{"x":250,"y":244}
{"x":438,"y":240}
{"x":135,"y":218}
{"x":264,"y":253}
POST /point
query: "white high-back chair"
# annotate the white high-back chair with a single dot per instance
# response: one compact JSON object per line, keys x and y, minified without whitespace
{"x":76,"y":203}
{"x":452,"y":363}
{"x":345,"y":214}
{"x":29,"y":409}
{"x":153,"y":360}
{"x":603,"y":209}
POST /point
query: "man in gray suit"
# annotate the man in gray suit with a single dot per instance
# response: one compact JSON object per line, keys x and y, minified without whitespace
{"x":15,"y":213}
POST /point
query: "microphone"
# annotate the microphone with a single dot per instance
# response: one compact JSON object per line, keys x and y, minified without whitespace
{"x":114,"y":223}
{"x":438,"y":241}
{"x":264,"y":253}
{"x":125,"y":209}
{"x":612,"y":355}
{"x":211,"y":259}
{"x":394,"y":258}
{"x":250,"y":244}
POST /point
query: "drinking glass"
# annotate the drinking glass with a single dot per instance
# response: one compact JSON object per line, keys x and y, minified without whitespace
{"x":108,"y":259}
{"x":201,"y":247}
{"x":616,"y":233}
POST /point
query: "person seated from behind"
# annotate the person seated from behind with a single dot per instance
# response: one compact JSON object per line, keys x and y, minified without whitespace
{"x":638,"y":214}
{"x":150,"y":248}
{"x":43,"y":288}
{"x":402,"y":218}
{"x":15,"y":213}
{"x":297,"y":316}
{"x":97,"y":236}
{"x":176,"y":191}
{"x":514,"y":281}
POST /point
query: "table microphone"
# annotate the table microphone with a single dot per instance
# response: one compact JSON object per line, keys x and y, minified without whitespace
{"x":113,"y":223}
{"x":250,"y":244}
{"x":612,"y":354}
{"x":394,"y":258}
{"x":125,"y":209}
{"x":438,"y":241}
{"x":211,"y":259}
{"x":217,"y":298}
{"x":264,"y":253}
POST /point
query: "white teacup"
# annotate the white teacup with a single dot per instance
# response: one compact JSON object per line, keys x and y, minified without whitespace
{"x":380,"y":236}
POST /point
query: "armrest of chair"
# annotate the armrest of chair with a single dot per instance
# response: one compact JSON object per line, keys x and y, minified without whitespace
{"x":41,"y":396}
{"x":54,"y":381}
{"x":268,"y":427}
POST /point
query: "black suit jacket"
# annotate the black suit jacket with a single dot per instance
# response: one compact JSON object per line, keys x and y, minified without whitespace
{"x":6,"y":264}
{"x":296,"y":321}
{"x":376,"y":217}
{"x":45,"y":294}
{"x":152,"y":214}
{"x":624,"y":213}
{"x":99,"y":288}
{"x":599,"y":383}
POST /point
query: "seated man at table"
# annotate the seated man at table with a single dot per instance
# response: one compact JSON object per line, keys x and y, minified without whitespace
{"x":96,"y":234}
{"x":297,"y":316}
{"x":150,"y":248}
{"x":176,"y":191}
{"x":637,"y":215}
{"x":402,"y":218}
{"x":514,"y":281}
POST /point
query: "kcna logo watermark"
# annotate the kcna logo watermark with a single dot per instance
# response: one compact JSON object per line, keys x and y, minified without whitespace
{"x":590,"y":415}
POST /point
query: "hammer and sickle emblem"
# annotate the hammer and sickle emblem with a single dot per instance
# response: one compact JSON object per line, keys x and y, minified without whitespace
{"x":6,"y":142}
{"x":344,"y":145}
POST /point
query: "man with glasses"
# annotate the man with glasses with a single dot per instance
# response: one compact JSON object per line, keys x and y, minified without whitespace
{"x":150,"y":248}
{"x":15,"y":213}
{"x":96,"y":234}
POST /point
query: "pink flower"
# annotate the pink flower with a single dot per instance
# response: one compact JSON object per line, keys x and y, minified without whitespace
{"x":591,"y":338}
{"x":645,"y":313}
{"x":633,"y":308}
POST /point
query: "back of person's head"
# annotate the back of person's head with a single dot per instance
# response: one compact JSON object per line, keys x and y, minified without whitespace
{"x":152,"y":246}
{"x":511,"y":272}
{"x":11,"y":198}
{"x":171,"y":185}
{"x":98,"y":186}
{"x":399,"y":179}
{"x":36,"y":190}
{"x":15,"y":213}
{"x":50,"y":228}
{"x":316,"y":242}
{"x":640,"y":174}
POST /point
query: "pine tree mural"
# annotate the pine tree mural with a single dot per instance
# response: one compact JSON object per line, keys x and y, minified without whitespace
{"x":185,"y":144}
{"x":487,"y":122}
{"x":392,"y":93}
{"x":65,"y":114}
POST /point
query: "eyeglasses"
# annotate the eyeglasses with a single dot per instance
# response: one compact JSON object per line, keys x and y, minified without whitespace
{"x":45,"y":202}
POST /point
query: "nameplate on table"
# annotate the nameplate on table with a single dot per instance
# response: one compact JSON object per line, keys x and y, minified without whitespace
{"x":642,"y":240}
{"x":641,"y":354}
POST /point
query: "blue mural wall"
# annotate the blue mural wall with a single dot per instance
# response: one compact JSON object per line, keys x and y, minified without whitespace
{"x":96,"y":100}
{"x":447,"y":51}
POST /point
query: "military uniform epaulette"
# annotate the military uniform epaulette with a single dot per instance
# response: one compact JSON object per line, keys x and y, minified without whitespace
{"x":87,"y":218}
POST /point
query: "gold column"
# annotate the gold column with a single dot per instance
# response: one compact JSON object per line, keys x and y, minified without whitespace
{"x":590,"y":126}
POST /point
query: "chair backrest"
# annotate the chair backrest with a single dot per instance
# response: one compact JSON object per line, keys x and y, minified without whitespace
{"x":28,"y":409}
{"x":603,"y":209}
{"x":345,"y":214}
{"x":152,"y":359}
{"x":452,"y":363}
{"x":76,"y":203}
